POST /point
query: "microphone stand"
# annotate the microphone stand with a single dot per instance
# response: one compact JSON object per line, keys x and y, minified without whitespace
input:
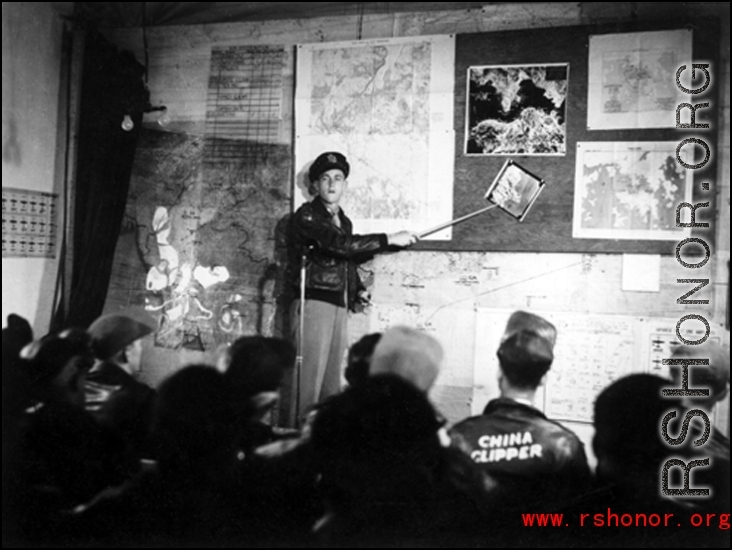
{"x":301,"y":334}
{"x":307,"y":250}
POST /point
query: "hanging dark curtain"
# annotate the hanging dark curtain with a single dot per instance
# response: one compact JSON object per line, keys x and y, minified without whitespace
{"x":112,"y":86}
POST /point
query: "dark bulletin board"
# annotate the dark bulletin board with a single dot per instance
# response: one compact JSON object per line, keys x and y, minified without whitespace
{"x":548,"y":226}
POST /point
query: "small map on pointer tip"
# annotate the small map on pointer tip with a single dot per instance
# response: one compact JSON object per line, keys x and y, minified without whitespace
{"x":514,"y":190}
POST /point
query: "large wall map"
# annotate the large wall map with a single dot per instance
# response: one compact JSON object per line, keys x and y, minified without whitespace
{"x":197,"y":249}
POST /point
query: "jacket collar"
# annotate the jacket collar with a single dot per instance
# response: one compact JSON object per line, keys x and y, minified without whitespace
{"x":507,"y":403}
{"x":322,"y":210}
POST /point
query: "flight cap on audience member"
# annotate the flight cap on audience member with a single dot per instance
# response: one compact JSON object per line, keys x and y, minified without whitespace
{"x":112,"y":333}
{"x":410,"y":354}
{"x":328,"y":161}
{"x":523,"y":320}
{"x":526,"y":347}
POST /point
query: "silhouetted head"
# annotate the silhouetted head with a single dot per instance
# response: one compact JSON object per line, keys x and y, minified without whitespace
{"x":57,"y":365}
{"x":16,"y":336}
{"x":359,"y":359}
{"x":255,"y":367}
{"x":193,"y":427}
{"x":373,"y":438}
{"x":628,"y":417}
{"x":117,"y":338}
{"x":412,"y":355}
{"x":525,"y":357}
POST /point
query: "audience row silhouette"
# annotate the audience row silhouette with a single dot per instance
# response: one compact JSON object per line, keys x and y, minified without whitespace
{"x":94,"y":457}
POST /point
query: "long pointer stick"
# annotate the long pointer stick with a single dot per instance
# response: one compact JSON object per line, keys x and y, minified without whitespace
{"x":455,"y":221}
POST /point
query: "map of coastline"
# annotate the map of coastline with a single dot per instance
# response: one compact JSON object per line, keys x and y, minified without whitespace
{"x":628,"y":190}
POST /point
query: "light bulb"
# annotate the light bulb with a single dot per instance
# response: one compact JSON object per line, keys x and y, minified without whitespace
{"x":127,"y":124}
{"x":164,"y":118}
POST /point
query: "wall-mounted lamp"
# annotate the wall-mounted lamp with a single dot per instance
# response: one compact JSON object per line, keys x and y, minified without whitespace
{"x":163,"y":117}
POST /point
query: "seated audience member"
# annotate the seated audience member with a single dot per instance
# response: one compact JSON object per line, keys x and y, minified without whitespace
{"x":255,"y":367}
{"x":406,"y":353}
{"x":189,"y":498}
{"x":538,"y":464}
{"x":385,"y":477}
{"x":414,"y":356}
{"x":631,"y":453}
{"x":113,"y":395}
{"x":410,"y":354}
{"x":358,"y":363}
{"x":357,"y":371}
{"x":16,"y":336}
{"x":281,"y":481}
{"x":358,"y":367}
{"x":56,"y":366}
{"x":194,"y":429}
{"x":65,"y":457}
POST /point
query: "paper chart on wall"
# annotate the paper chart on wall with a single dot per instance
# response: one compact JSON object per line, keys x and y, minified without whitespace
{"x":244,"y":99}
{"x":629,"y":190}
{"x":632,"y":79}
{"x":29,"y":223}
{"x":592,"y":351}
{"x":449,"y":327}
{"x":386,"y":104}
{"x":661,"y":341}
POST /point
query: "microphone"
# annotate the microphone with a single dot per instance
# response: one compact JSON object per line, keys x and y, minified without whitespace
{"x":310,"y":246}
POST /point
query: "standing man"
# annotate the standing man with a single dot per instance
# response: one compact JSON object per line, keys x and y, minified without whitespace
{"x":321,"y":230}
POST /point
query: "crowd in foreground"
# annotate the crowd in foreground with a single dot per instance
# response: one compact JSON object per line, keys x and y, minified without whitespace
{"x":94,"y":457}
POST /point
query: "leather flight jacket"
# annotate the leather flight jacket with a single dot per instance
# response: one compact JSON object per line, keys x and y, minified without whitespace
{"x":333,"y":253}
{"x":535,"y":461}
